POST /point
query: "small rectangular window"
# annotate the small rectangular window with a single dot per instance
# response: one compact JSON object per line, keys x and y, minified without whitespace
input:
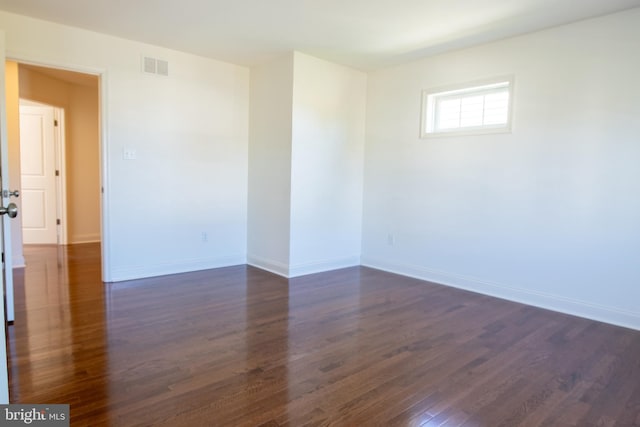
{"x":468,"y":109}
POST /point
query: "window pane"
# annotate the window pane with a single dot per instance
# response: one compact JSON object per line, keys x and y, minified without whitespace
{"x":496,"y":109}
{"x":471,"y":111}
{"x":448,"y":114}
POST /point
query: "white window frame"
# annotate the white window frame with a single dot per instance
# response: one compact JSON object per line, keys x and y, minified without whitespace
{"x":431,"y":98}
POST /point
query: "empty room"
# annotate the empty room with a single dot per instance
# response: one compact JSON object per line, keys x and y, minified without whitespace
{"x":305,"y":213}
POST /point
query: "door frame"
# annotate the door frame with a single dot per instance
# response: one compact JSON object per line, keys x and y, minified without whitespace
{"x":6,"y":286}
{"x":59,"y":144}
{"x":102,"y":74}
{"x":61,"y":163}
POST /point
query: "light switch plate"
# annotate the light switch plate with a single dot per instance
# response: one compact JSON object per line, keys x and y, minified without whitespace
{"x":129,"y":154}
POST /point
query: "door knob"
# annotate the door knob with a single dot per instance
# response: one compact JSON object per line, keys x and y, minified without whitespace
{"x":7,"y":193}
{"x":11,"y":210}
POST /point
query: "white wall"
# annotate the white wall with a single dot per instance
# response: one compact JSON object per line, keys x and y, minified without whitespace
{"x":270,"y":165}
{"x":549,"y":214}
{"x":305,"y":165}
{"x":327,"y":165}
{"x":190,"y":133}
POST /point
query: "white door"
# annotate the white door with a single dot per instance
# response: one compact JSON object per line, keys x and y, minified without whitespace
{"x":38,"y":169}
{"x":5,"y":236}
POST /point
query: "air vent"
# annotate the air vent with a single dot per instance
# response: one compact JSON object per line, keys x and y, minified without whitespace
{"x":149,"y":65}
{"x":155,"y":66}
{"x":162,"y":67}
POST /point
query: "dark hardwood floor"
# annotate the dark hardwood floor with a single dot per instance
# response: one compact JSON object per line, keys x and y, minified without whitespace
{"x":355,"y":347}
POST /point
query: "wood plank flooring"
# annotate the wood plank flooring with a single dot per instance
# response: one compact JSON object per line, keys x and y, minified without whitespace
{"x":239,"y":346}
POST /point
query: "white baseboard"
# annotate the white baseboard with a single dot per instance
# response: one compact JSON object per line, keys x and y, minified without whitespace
{"x":322,"y":266}
{"x":275,"y":267}
{"x":181,"y":266}
{"x":84,"y":238}
{"x":601,"y":313}
{"x":290,"y":271}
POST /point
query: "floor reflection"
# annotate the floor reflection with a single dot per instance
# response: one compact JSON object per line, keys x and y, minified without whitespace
{"x":267,"y":346}
{"x":57,"y":345}
{"x":197,"y":348}
{"x":323,"y":344}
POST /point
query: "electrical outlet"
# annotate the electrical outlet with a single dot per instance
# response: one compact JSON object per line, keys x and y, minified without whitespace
{"x":205,"y":238}
{"x":391,"y":239}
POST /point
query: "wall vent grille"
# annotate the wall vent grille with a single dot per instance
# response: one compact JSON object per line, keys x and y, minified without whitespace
{"x":155,"y":66}
{"x":162,"y":67}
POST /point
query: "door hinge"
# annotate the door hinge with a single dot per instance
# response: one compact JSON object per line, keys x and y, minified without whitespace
{"x":55,"y":123}
{"x":57,"y":173}
{"x":58,"y":221}
{"x":3,"y":257}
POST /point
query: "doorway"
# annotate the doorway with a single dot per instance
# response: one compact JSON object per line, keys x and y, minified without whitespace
{"x":87,"y":117}
{"x":75,"y":96}
{"x":81,"y":96}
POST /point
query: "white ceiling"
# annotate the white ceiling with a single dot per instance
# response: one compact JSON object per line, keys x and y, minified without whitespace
{"x":365,"y":34}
